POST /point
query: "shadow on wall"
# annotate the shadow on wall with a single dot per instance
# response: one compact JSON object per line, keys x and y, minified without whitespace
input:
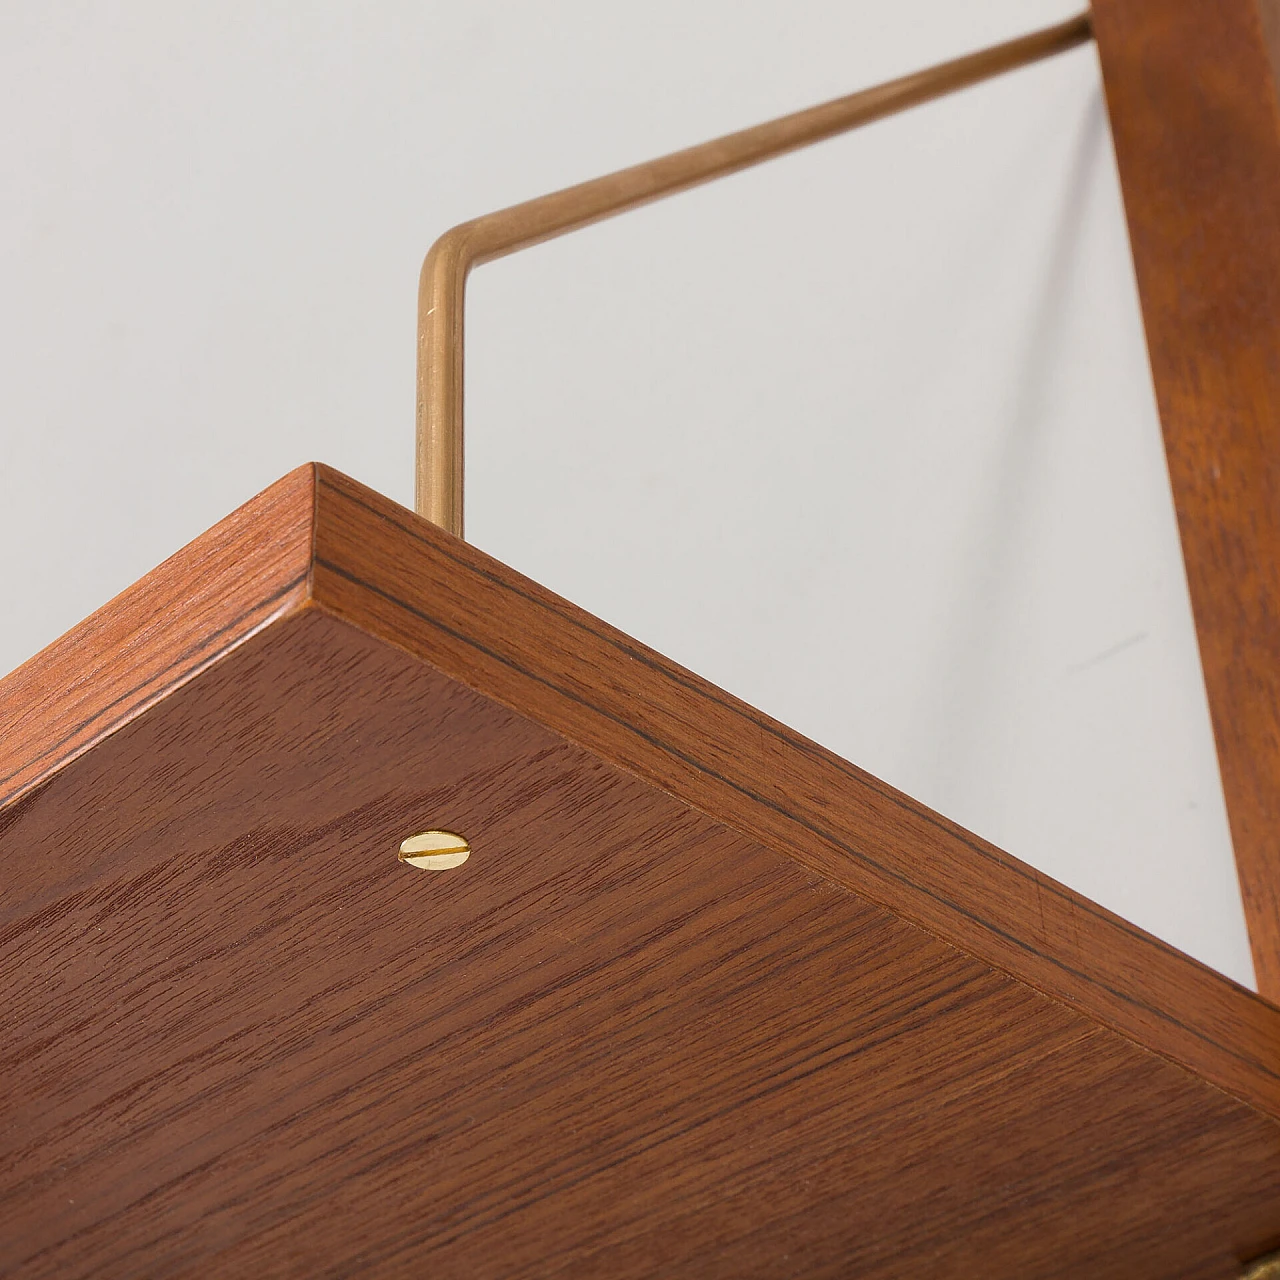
{"x":953,"y":709}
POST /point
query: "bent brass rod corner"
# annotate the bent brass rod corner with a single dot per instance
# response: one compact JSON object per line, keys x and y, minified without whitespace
{"x":442,"y":289}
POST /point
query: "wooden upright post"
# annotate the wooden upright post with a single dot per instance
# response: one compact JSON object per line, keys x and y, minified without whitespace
{"x":1192,"y":99}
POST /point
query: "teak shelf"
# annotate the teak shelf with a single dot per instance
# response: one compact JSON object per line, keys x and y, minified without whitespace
{"x":706,"y":1000}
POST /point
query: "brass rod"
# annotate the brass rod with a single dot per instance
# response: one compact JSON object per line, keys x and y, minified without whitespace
{"x":442,"y":290}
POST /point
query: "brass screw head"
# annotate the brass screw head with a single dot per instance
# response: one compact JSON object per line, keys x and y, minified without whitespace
{"x":435,"y":851}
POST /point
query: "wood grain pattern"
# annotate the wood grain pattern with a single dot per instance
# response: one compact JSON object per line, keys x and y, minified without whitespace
{"x":1193,"y":108}
{"x":183,"y":616}
{"x":390,"y":572}
{"x":706,"y":1000}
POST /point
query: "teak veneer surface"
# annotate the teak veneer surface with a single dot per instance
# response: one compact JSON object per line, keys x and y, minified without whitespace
{"x":705,"y":1001}
{"x":1191,"y":96}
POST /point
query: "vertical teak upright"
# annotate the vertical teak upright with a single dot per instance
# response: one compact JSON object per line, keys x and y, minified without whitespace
{"x":1191,"y":93}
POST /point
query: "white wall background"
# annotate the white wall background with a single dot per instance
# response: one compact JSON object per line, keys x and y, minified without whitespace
{"x":866,"y":436}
